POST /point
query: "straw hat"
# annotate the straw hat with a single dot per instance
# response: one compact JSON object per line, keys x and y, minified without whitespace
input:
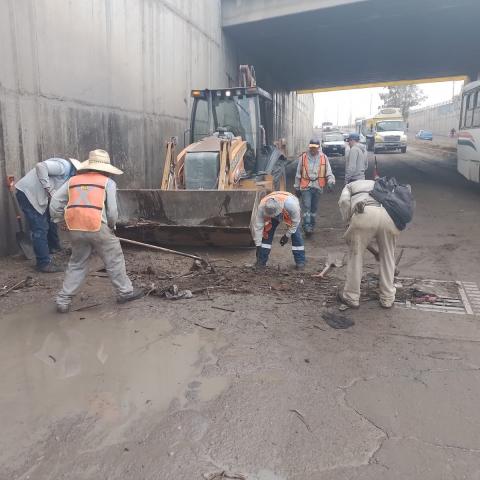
{"x":99,"y":160}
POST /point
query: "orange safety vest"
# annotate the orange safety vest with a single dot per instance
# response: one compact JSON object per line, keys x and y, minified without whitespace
{"x":280,"y":197}
{"x":86,"y":201}
{"x":322,"y":173}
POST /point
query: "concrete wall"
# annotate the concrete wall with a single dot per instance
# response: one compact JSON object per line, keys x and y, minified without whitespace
{"x":293,"y":120}
{"x":439,"y":119}
{"x":113,"y":74}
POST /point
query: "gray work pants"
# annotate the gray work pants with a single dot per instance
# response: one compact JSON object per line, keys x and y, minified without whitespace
{"x":374,"y":224}
{"x":107,"y":246}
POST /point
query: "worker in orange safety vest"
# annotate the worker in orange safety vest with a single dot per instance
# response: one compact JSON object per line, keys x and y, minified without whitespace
{"x":87,"y":204}
{"x":313,"y":175}
{"x":272,"y":210}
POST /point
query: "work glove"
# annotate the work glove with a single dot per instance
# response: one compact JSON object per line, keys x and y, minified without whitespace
{"x":283,"y":240}
{"x":359,"y":207}
{"x":330,"y":187}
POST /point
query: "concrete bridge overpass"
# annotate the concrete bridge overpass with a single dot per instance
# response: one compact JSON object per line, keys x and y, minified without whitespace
{"x":323,"y":43}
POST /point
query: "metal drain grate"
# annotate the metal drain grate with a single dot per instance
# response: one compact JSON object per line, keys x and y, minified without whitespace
{"x":457,"y":297}
{"x":471,"y":293}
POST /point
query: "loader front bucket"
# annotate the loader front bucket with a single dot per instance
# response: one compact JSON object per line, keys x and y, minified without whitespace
{"x":188,"y":217}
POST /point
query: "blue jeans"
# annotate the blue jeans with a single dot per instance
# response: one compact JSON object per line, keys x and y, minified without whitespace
{"x":310,"y":199}
{"x":298,"y":248}
{"x":44,"y":232}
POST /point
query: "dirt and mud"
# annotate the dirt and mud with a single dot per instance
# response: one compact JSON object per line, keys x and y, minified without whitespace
{"x":246,"y":379}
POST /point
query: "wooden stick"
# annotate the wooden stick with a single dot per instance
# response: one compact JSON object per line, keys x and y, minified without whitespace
{"x":161,"y":249}
{"x":323,"y":272}
{"x":13,"y":287}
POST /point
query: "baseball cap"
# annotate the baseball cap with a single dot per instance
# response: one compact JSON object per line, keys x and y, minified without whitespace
{"x":353,"y":136}
{"x":314,"y":143}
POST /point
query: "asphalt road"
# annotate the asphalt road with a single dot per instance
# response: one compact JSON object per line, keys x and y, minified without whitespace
{"x":269,"y":391}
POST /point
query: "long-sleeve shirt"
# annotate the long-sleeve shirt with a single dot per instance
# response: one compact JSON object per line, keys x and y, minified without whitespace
{"x":354,"y":193}
{"x":109,"y":214}
{"x":313,"y":171}
{"x":291,"y":205}
{"x":41,"y":182}
{"x":356,"y":163}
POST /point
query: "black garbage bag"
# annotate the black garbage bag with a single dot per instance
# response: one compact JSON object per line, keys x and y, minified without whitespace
{"x":397,"y":200}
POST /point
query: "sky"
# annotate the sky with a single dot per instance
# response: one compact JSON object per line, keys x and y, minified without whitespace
{"x":342,"y":107}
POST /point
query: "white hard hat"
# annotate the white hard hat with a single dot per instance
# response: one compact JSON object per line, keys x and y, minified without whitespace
{"x":272,"y":207}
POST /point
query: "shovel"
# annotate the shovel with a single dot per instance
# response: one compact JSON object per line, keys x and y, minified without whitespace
{"x":333,"y":260}
{"x":24,"y":240}
{"x":376,"y":254}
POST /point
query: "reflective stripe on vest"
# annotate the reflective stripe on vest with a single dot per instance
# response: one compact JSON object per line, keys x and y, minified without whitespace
{"x":86,"y":201}
{"x":322,"y":172}
{"x":280,"y":197}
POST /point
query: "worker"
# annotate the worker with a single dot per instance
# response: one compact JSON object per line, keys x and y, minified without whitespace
{"x":367,"y":220}
{"x":356,"y":159}
{"x":313,"y":174}
{"x":34,"y":192}
{"x":88,"y":206}
{"x":274,"y":208}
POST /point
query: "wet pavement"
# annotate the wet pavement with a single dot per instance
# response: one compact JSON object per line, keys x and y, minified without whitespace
{"x":269,"y":390}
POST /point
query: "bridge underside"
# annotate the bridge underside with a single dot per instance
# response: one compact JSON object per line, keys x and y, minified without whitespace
{"x":365,"y":42}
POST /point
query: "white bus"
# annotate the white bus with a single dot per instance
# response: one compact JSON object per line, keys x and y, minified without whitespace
{"x":468,"y":148}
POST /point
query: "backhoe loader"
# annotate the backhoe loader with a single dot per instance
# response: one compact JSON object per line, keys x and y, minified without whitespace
{"x":210,"y":191}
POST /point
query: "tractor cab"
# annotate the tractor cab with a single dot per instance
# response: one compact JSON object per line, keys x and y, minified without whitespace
{"x":245,"y":112}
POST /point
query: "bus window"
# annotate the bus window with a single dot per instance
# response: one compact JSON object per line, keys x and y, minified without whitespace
{"x":468,"y":110}
{"x":463,"y":111}
{"x":476,"y":109}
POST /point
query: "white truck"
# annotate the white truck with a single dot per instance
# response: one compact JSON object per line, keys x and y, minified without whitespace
{"x":386,"y":131}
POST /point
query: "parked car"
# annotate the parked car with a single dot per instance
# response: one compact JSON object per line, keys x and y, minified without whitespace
{"x":424,"y":135}
{"x":333,"y":144}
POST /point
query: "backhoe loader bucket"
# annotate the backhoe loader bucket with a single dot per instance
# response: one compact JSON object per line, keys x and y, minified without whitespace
{"x":188,"y":217}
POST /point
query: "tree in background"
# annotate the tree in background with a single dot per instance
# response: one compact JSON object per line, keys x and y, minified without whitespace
{"x":404,"y":97}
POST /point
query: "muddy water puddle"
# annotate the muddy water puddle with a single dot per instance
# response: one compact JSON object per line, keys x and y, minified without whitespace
{"x":109,"y":367}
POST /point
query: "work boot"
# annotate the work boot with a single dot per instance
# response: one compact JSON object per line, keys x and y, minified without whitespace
{"x":63,"y":308}
{"x":386,"y":305}
{"x":135,"y":294}
{"x":300,"y":266}
{"x":51,"y":268}
{"x":345,"y":301}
